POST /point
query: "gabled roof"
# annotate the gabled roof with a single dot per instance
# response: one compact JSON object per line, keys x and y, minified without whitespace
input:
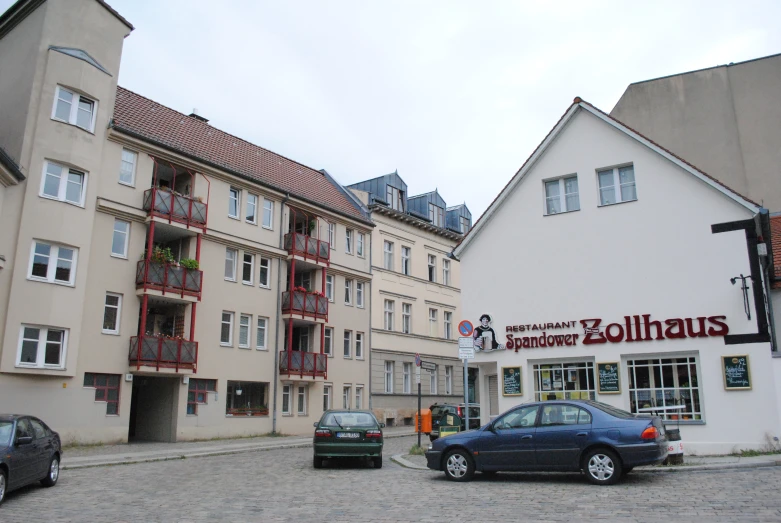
{"x":152,"y":122}
{"x":580,"y":105}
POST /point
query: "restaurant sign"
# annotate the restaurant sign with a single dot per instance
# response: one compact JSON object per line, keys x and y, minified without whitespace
{"x":639,"y":327}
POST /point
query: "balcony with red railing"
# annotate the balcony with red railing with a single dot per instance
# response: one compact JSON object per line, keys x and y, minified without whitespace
{"x":306,"y":305}
{"x":163,"y":354}
{"x":169,"y":279}
{"x":303,"y":364}
{"x":310,"y":249}
{"x":175,"y":207}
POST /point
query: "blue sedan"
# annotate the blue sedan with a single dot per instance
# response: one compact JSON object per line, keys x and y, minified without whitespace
{"x":561,"y":436}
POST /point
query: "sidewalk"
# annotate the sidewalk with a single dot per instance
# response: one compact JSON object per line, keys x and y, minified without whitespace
{"x":100,"y":455}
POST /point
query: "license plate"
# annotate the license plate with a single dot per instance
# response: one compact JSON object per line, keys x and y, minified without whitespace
{"x":347,"y":435}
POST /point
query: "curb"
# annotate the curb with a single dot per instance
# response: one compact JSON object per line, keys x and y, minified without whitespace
{"x":397,"y":458}
{"x":693,"y":468}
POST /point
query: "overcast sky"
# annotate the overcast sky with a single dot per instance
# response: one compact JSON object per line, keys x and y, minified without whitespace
{"x":454,"y":94}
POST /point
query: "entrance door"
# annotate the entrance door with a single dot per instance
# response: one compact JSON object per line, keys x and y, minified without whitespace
{"x":153,"y":408}
{"x":493,"y":395}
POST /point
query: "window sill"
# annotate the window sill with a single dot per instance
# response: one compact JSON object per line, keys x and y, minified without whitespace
{"x":347,"y":357}
{"x":47,"y":197}
{"x":234,"y":218}
{"x":244,"y":347}
{"x":264,"y":349}
{"x":35,"y":367}
{"x":228,"y":345}
{"x":110,"y":333}
{"x":118,"y":256}
{"x":92,"y":132}
{"x":232,"y":280}
{"x":61,"y":284}
{"x":264,"y":287}
{"x":251,"y":223}
{"x":348,"y":304}
{"x":248,"y":283}
{"x":133,"y":184}
{"x":562,"y":212}
{"x":617,"y":203}
{"x":269,"y":229}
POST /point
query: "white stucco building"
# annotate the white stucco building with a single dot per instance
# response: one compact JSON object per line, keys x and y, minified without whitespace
{"x":606,"y":251}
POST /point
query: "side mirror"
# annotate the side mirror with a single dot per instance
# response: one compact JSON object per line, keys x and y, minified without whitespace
{"x":382,"y":425}
{"x":492,"y":427}
{"x":314,"y":424}
{"x":24,"y":440}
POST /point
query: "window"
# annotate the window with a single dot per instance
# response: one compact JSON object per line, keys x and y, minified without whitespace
{"x":244,"y":322}
{"x":63,"y":183}
{"x":617,"y":185}
{"x":226,"y":329}
{"x":251,"y":216}
{"x":286,"y":390}
{"x":346,"y":396}
{"x":445,"y":272}
{"x":389,"y":305}
{"x":198,"y":394}
{"x":432,"y":322}
{"x":264,"y":278}
{"x":348,"y":292}
{"x":329,"y":287}
{"x":448,"y":380}
{"x":111,"y":313}
{"x":230,"y":263}
{"x":562,"y":195}
{"x":448,"y":324}
{"x":360,"y":239}
{"x":331,"y":234}
{"x":233,"y":203}
{"x":348,"y":241}
{"x":42,"y":347}
{"x":303,"y":339}
{"x":106,"y":390}
{"x":348,"y":344}
{"x":388,"y":250}
{"x":666,"y":382}
{"x":395,"y":198}
{"x":120,"y":238}
{"x":432,"y":268}
{"x":302,"y":399}
{"x":127,"y":168}
{"x":248,"y":268}
{"x":388,"y":377}
{"x":53,"y":263}
{"x":359,"y":294}
{"x":407,"y":368}
{"x":405,"y":260}
{"x":518,"y":418}
{"x":260,"y":334}
{"x":555,"y":415}
{"x":406,"y":318}
{"x":359,"y":345}
{"x":358,"y":397}
{"x":464,"y":221}
{"x":268,"y":214}
{"x":436,"y":214}
{"x":74,"y":109}
{"x":328,"y":341}
{"x":303,"y":279}
{"x":432,"y":383}
{"x":327,"y":392}
{"x":564,"y":381}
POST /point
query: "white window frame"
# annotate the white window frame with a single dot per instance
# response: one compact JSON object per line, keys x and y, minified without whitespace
{"x":264,"y":262}
{"x":432,"y":380}
{"x":122,"y":255}
{"x":346,"y":396}
{"x":387,"y":249}
{"x":51,"y":267}
{"x":445,"y":272}
{"x":395,"y":198}
{"x":235,"y":253}
{"x":389,"y":309}
{"x":118,"y":307}
{"x":261,"y":333}
{"x":254,"y":199}
{"x":245,"y":325}
{"x":359,"y":397}
{"x":301,"y":399}
{"x":303,"y":339}
{"x":389,"y":376}
{"x":328,"y":391}
{"x":562,"y":196}
{"x":231,"y":316}
{"x":328,"y":342}
{"x":406,"y":318}
{"x":122,"y":162}
{"x":359,"y":286}
{"x":464,"y":224}
{"x":436,"y":214}
{"x":406,"y":264}
{"x":329,"y":287}
{"x":286,"y":393}
{"x":407,"y":382}
{"x":433,"y":321}
{"x":74,"y":110}
{"x":332,"y":235}
{"x":348,"y":241}
{"x":348,"y":291}
{"x":359,"y":345}
{"x":432,"y":268}
{"x":360,"y":239}
{"x":234,"y":194}
{"x":268,"y":213}
{"x":617,"y":186}
{"x":62,"y":188}
{"x":448,"y":322}
{"x":244,"y":264}
{"x":448,"y":380}
{"x":40,"y":355}
{"x":347,"y":344}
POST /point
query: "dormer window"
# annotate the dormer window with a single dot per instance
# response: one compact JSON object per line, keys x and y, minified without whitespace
{"x":436,"y":214}
{"x":395,"y":198}
{"x":464,"y":225}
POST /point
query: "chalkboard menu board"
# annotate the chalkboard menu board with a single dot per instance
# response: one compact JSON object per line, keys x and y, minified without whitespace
{"x":609,"y":379}
{"x":511,"y":381}
{"x":736,"y":372}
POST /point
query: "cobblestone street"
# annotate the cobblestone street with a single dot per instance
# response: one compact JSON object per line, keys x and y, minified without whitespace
{"x":281,"y":485}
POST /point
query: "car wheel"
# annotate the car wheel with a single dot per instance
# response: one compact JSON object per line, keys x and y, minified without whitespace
{"x":459,"y":466}
{"x":3,"y":484}
{"x":378,"y":462}
{"x":54,"y":473}
{"x":317,"y":462}
{"x":602,"y":467}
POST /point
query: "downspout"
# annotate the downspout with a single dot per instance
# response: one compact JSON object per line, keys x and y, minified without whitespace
{"x":279,"y":292}
{"x":371,"y":291}
{"x":764,"y":221}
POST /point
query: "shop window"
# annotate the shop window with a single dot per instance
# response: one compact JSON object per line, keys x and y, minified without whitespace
{"x":247,"y":398}
{"x":197,"y":393}
{"x":670,"y":385}
{"x":564,"y":381}
{"x":106,"y":389}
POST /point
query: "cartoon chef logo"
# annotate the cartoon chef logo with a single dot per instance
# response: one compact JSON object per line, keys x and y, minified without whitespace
{"x":484,"y":336}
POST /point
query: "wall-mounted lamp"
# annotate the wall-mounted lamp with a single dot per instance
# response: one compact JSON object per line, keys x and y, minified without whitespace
{"x":744,"y":288}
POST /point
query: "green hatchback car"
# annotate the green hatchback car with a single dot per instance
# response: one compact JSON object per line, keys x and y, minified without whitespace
{"x":348,"y":434}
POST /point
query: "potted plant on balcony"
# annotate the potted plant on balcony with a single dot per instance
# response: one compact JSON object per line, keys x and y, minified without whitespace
{"x":193,"y":279}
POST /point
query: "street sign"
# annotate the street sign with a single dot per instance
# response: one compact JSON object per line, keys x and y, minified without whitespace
{"x":466,"y":343}
{"x":466,"y":353}
{"x":417,"y":375}
{"x":427,"y":365}
{"x":465,"y":328}
{"x":417,"y":359}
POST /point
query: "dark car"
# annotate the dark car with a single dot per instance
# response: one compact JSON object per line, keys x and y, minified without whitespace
{"x":348,"y":434}
{"x":29,"y":451}
{"x":564,"y":436}
{"x":438,"y":410}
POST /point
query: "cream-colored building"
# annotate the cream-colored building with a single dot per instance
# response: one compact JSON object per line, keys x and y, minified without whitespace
{"x":160,"y":279}
{"x":416,"y":297}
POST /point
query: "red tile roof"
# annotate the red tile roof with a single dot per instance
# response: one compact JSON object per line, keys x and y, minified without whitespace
{"x":775,"y":241}
{"x":161,"y":125}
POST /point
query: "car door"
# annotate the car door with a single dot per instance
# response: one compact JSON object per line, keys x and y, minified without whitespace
{"x":43,"y":447}
{"x":508,"y":443}
{"x":23,"y":461}
{"x":562,"y":433}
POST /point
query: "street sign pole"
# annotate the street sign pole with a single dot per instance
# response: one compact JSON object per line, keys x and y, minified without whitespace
{"x":466,"y":392}
{"x":420,"y":414}
{"x":466,"y":351}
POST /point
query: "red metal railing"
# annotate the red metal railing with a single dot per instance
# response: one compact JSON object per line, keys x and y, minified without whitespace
{"x":305,"y":304}
{"x":308,"y":247}
{"x":167,"y":277}
{"x":175,"y":207}
{"x":161,"y":352}
{"x":303,"y":363}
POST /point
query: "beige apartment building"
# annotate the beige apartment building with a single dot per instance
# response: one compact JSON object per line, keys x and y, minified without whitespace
{"x":416,"y":297}
{"x":161,"y":279}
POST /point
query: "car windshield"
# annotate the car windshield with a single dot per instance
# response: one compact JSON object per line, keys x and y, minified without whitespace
{"x":5,"y":433}
{"x":348,"y":419}
{"x":613,"y":411}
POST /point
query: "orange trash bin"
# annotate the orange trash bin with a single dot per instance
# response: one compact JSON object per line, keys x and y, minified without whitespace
{"x":423,"y":421}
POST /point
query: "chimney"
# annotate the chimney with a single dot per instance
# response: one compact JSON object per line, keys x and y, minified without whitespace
{"x":195,"y":115}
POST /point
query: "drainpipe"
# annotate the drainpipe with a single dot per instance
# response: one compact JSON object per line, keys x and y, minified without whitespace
{"x":279,"y":292}
{"x":371,"y":291}
{"x":764,"y":220}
